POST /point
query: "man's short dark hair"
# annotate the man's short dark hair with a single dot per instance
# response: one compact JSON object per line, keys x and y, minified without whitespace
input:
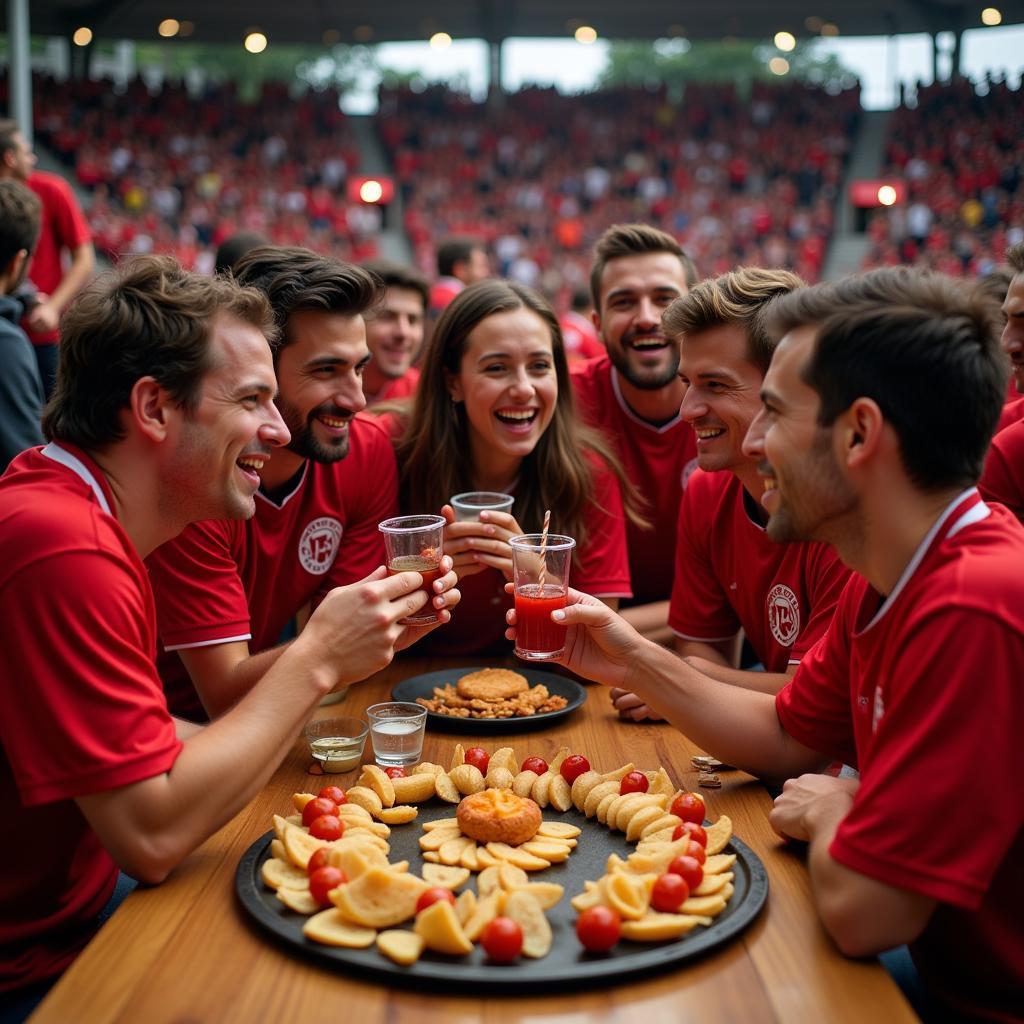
{"x":299,"y":280}
{"x":232,"y":249}
{"x":924,"y":347}
{"x":1015,"y":257}
{"x":146,"y":318}
{"x":398,"y":275}
{"x":20,"y":212}
{"x":456,"y":250}
{"x":634,"y":240}
{"x":740,"y":297}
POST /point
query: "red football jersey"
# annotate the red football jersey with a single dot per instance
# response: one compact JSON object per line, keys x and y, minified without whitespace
{"x":730,"y":575}
{"x":657,"y":461}
{"x":1013,"y":412}
{"x":922,"y":691}
{"x":442,"y":292}
{"x":1003,"y":478}
{"x":398,"y":387}
{"x":579,"y":336}
{"x":601,"y":568}
{"x":84,"y":711}
{"x":226,"y":580}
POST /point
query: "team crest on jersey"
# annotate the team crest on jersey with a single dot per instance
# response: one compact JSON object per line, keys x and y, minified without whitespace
{"x":783,"y":614}
{"x":688,"y":469}
{"x":318,"y":545}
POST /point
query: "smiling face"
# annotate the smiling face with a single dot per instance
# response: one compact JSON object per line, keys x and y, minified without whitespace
{"x":319,"y":373}
{"x":805,"y":492}
{"x":507,"y":381}
{"x":213,"y":471}
{"x":395,"y":334}
{"x":722,"y":395}
{"x":1013,"y":332}
{"x":635,"y":291}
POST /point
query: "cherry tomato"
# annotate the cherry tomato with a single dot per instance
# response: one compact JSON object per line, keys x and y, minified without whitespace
{"x":633,"y":782}
{"x":334,"y":793}
{"x":534,"y":764}
{"x":327,"y":827}
{"x":696,"y":832}
{"x":697,"y":852}
{"x":318,"y":860}
{"x":478,"y":758}
{"x":598,"y":929}
{"x":322,"y":881}
{"x":670,"y":892}
{"x":502,"y":940}
{"x":573,"y":767}
{"x":317,"y":806}
{"x":689,"y":869}
{"x":689,"y":807}
{"x":432,"y":896}
{"x":396,"y":772}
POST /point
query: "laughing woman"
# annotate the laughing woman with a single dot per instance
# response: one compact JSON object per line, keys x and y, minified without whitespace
{"x":495,"y":412}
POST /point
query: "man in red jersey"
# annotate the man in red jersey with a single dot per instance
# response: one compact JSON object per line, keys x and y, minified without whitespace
{"x":579,"y":335}
{"x":394,"y":333}
{"x":729,"y":574}
{"x":162,"y":412}
{"x":460,"y":261}
{"x":63,"y":229}
{"x":226,"y":590}
{"x":1003,"y":479}
{"x":917,"y":680}
{"x":633,"y":395}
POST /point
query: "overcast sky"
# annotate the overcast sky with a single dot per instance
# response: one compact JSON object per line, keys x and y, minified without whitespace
{"x":574,"y":67}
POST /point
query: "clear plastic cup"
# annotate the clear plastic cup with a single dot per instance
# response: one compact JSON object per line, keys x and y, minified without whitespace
{"x":470,"y":504}
{"x":538,"y":594}
{"x":416,"y":543}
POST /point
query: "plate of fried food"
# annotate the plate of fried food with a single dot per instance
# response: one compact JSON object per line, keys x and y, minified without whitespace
{"x":499,"y":700}
{"x":505,"y":871}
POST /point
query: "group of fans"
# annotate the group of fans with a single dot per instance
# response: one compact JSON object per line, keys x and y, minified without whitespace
{"x":747,"y":456}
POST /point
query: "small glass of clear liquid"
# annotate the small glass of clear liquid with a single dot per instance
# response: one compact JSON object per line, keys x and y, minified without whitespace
{"x":336,"y":744}
{"x":396,"y":732}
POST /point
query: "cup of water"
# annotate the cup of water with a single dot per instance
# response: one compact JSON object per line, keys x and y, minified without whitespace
{"x":396,"y":732}
{"x":470,"y":504}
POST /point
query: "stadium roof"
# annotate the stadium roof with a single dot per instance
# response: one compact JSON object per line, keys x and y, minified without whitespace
{"x":374,"y":21}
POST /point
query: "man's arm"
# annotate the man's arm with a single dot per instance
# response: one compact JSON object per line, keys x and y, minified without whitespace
{"x":863,"y":916}
{"x":224,"y":673}
{"x":650,"y":621}
{"x":45,"y":316}
{"x":763,"y":682}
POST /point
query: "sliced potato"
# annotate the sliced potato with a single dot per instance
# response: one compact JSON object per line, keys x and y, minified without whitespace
{"x":719,"y":835}
{"x":403,"y":947}
{"x":510,"y":877}
{"x":560,"y":794}
{"x":465,"y":904}
{"x":377,"y":780}
{"x":654,"y":927}
{"x":524,"y":909}
{"x":551,"y":850}
{"x":379,"y":898}
{"x":489,"y":880}
{"x":707,"y":906}
{"x":719,"y":862}
{"x":438,"y":925}
{"x":299,"y":900}
{"x":468,"y":858}
{"x":640,"y":820}
{"x":332,"y":929}
{"x":413,"y":789}
{"x":399,"y":815}
{"x":446,"y":789}
{"x":278,"y":874}
{"x":451,"y":851}
{"x":431,"y":826}
{"x":485,"y":911}
{"x":363,"y":796}
{"x":711,"y":884}
{"x":445,"y":876}
{"x":627,"y":894}
{"x":299,"y":845}
{"x":558,"y":830}
{"x":547,"y":894}
{"x":518,"y":856}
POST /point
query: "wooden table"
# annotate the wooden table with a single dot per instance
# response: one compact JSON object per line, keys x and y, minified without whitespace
{"x":184,"y":951}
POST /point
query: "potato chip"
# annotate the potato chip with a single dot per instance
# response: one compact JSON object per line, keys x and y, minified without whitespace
{"x":518,"y":856}
{"x":438,"y":925}
{"x":597,"y":794}
{"x":522,"y":784}
{"x":401,"y":814}
{"x":299,"y":800}
{"x":445,"y":877}
{"x":484,"y":912}
{"x":299,"y":900}
{"x":541,"y":788}
{"x":711,"y":884}
{"x":427,"y":768}
{"x":446,"y":789}
{"x":547,"y":894}
{"x":377,"y":780}
{"x":654,"y":927}
{"x":468,"y":858}
{"x":719,"y":835}
{"x":503,"y":757}
{"x":498,"y":778}
{"x":277,"y":850}
{"x":413,"y":789}
{"x":403,"y":947}
{"x":467,"y":779}
{"x":430,"y":826}
{"x":558,"y":830}
{"x":620,"y":773}
{"x":451,"y":851}
{"x":363,"y":796}
{"x":719,"y":862}
{"x":582,"y":785}
{"x":278,"y":874}
{"x":708,"y":906}
{"x":438,"y":837}
{"x":330,"y":928}
{"x":640,"y":820}
{"x":465,"y":904}
{"x":509,"y":876}
{"x":626,"y":894}
{"x":560,"y":794}
{"x":526,"y":911}
{"x":551,"y":850}
{"x":299,"y":845}
{"x":458,"y":757}
{"x":489,"y":880}
{"x":379,"y":898}
{"x":555,"y":764}
{"x":660,"y":783}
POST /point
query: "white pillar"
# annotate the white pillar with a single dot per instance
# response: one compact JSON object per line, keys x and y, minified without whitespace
{"x":21,"y":66}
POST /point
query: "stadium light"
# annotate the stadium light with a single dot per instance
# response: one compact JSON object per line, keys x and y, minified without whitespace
{"x":887,"y":195}
{"x":785,"y":41}
{"x":371,"y":191}
{"x":255,"y":42}
{"x":82,"y":36}
{"x":169,"y":27}
{"x":991,"y":16}
{"x":778,"y":66}
{"x":586,"y":34}
{"x":377,"y":191}
{"x":440,"y":41}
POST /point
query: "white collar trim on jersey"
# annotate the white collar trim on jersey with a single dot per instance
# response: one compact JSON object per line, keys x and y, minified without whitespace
{"x":79,"y":468}
{"x":624,"y":405}
{"x":974,"y":514}
{"x":291,"y":494}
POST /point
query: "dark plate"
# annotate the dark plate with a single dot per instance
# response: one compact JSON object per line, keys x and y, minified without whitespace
{"x":423,"y":686}
{"x":566,"y":967}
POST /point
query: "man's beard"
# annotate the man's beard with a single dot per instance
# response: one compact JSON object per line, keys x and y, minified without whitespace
{"x":643,"y":379}
{"x":304,"y":441}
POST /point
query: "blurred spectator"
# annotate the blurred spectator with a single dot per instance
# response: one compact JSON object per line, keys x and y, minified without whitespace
{"x":578,"y":331}
{"x":232,"y":249}
{"x":460,"y":261}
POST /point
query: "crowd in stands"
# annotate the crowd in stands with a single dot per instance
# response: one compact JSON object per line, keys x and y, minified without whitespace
{"x":961,"y":155}
{"x":738,"y":180}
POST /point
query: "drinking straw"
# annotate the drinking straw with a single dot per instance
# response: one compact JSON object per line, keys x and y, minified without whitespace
{"x":543,"y":550}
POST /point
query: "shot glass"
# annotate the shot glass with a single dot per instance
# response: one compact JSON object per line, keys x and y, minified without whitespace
{"x":416,"y":543}
{"x":470,"y":504}
{"x":538,"y":593}
{"x":336,"y":744}
{"x":396,"y":732}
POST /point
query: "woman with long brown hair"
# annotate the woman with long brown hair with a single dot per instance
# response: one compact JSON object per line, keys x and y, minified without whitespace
{"x":495,"y":412}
